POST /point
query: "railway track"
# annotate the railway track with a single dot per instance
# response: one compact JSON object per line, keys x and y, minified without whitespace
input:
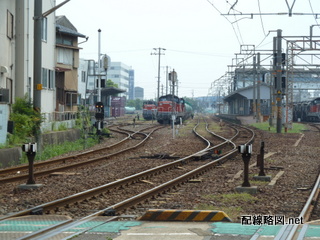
{"x":169,"y":176}
{"x":297,"y":230}
{"x":89,"y":157}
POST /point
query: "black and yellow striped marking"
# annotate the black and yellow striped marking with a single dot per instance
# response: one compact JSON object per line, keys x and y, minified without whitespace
{"x":185,"y":215}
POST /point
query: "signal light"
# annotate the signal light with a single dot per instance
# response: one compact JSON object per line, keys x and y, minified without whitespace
{"x":218,"y":151}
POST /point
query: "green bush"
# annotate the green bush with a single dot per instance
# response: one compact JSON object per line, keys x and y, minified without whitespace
{"x":26,"y":120}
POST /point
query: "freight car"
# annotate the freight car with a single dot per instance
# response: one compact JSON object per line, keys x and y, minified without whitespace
{"x":308,"y":111}
{"x":130,"y":110}
{"x":171,"y":105}
{"x":149,"y":110}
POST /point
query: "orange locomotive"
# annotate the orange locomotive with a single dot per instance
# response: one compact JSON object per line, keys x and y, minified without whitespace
{"x":171,"y":108}
{"x":149,"y":110}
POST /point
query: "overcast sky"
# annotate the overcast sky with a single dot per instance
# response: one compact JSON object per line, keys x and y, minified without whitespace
{"x":200,"y":42}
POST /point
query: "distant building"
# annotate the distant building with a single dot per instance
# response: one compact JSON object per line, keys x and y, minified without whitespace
{"x":139,"y":93}
{"x":119,"y":72}
{"x":131,"y":84}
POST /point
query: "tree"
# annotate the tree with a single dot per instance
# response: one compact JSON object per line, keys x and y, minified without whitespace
{"x":110,"y":83}
{"x":137,"y":103}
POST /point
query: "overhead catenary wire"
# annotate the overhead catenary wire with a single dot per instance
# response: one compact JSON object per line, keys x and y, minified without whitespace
{"x":315,"y":16}
{"x":227,"y":20}
{"x":262,"y":25}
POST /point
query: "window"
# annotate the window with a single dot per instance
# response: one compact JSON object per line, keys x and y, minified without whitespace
{"x":44,"y":78}
{"x":44,"y":33}
{"x":51,"y":78}
{"x":64,"y":40}
{"x":48,"y":80}
{"x":9,"y":25}
{"x":83,"y":76}
{"x":65,"y":56}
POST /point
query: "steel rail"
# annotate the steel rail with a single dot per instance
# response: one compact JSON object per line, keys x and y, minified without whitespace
{"x":156,"y":190}
{"x":288,"y":231}
{"x":24,"y":167}
{"x":71,"y":166}
{"x":63,"y":159}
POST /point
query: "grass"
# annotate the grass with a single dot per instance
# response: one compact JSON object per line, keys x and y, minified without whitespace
{"x":51,"y":151}
{"x":296,"y":127}
{"x":232,"y":211}
{"x":229,"y":203}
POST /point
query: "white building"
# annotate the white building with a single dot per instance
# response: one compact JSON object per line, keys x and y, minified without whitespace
{"x":118,"y":72}
{"x":16,"y":58}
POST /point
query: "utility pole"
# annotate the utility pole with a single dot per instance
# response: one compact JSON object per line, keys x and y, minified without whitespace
{"x":167,"y":80}
{"x":254,"y":88}
{"x":158,"y":53}
{"x":99,"y":66}
{"x":278,"y":83}
{"x":37,"y":66}
{"x":37,"y":57}
{"x":258,"y":90}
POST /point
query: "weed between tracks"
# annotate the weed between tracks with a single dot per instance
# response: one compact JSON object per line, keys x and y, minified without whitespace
{"x":229,"y":203}
{"x":296,"y":127}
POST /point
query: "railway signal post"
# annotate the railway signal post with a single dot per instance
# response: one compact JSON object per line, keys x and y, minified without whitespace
{"x":246,"y":151}
{"x":99,"y":115}
{"x":31,"y":150}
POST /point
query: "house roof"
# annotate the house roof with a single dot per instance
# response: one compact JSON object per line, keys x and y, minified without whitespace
{"x":63,"y":25}
{"x":247,"y":92}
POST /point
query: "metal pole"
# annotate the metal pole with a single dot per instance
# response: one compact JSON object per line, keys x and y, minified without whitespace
{"x":258,"y":90}
{"x":173,"y":117}
{"x":279,"y":78}
{"x":159,"y":53}
{"x":158,"y":94}
{"x":99,"y":79}
{"x":254,"y":88}
{"x":99,"y":71}
{"x":37,"y":67}
{"x":167,"y":80}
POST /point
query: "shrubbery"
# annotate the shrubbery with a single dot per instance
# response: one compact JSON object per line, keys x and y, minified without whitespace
{"x":26,"y":120}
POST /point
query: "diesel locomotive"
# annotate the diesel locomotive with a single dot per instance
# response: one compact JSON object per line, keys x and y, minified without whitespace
{"x":149,"y":110}
{"x":172,"y":108}
{"x":308,"y":111}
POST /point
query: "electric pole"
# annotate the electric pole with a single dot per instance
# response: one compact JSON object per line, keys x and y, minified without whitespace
{"x":278,"y":83}
{"x":99,"y":66}
{"x":158,"y":53}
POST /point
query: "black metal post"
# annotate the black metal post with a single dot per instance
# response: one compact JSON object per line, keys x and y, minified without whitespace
{"x":261,"y":173}
{"x":31,"y":156}
{"x":246,"y":159}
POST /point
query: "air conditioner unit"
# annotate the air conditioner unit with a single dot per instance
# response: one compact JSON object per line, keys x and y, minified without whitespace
{"x":4,"y":95}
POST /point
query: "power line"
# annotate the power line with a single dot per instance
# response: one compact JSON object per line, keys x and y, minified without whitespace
{"x":315,"y":18}
{"x":264,"y":32}
{"x":227,"y":20}
{"x":197,"y":53}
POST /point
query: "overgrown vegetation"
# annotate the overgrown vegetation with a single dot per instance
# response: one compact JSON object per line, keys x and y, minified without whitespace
{"x":51,"y":151}
{"x":26,"y":120}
